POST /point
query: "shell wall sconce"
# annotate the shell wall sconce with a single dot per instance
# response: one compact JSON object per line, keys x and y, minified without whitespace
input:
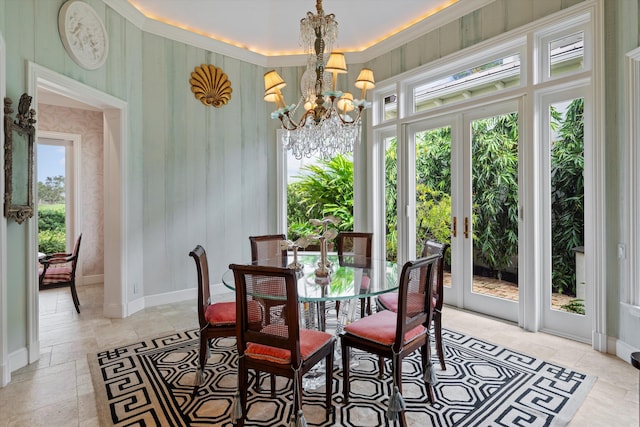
{"x":210,"y":85}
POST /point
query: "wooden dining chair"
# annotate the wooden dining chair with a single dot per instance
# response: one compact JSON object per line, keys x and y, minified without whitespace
{"x":354,"y":250}
{"x":59,"y":269}
{"x":267,"y":249}
{"x":215,"y":319}
{"x":395,"y":335}
{"x":280,"y":347}
{"x":390,"y":301}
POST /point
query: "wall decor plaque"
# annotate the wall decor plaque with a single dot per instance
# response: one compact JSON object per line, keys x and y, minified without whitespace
{"x":83,"y":34}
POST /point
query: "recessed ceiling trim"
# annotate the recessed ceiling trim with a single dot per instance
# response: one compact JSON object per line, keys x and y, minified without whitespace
{"x":456,"y":10}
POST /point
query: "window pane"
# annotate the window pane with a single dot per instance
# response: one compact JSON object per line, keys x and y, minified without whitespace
{"x":566,"y":54}
{"x":567,"y":205}
{"x":390,"y":107}
{"x":495,"y":206}
{"x":391,"y":198}
{"x":433,"y":190}
{"x":487,"y":78}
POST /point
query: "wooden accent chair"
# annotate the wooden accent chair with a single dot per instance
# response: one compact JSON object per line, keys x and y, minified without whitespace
{"x":390,"y":301}
{"x":59,"y":269}
{"x":280,"y":347}
{"x":395,"y":335}
{"x":354,"y":250}
{"x":215,"y":319}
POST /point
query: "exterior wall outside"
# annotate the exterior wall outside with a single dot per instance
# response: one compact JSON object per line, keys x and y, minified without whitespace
{"x":88,"y":124}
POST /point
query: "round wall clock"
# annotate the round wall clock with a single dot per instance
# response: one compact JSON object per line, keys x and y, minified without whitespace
{"x":83,"y":34}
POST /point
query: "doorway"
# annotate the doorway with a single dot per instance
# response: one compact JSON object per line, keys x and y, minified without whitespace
{"x":116,"y":254}
{"x":461,"y":183}
{"x":58,"y":176}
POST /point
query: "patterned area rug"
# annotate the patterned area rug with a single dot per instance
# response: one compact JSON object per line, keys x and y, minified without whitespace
{"x":150,"y":384}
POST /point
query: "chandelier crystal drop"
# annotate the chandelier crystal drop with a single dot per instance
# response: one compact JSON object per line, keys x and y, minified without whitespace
{"x":331,"y":122}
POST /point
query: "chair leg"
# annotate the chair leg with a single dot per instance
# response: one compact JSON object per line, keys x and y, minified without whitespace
{"x":425,"y":351}
{"x":242,"y":386}
{"x":74,"y":295}
{"x":328,"y":386}
{"x":203,"y":355}
{"x":345,"y":373}
{"x":437,"y":326}
{"x":380,"y":367}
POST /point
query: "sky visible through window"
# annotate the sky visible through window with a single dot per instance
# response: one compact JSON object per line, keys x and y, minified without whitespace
{"x":50,"y":161}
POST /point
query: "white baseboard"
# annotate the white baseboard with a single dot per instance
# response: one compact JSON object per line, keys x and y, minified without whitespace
{"x":18,"y":359}
{"x":5,"y":375}
{"x":92,"y":280}
{"x":171,"y":297}
{"x":135,"y":306}
{"x":624,"y":350}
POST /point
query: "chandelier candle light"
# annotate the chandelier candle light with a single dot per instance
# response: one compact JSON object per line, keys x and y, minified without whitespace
{"x":331,"y":122}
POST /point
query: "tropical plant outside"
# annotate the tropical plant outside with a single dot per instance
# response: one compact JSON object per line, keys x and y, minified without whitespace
{"x":325,"y":188}
{"x":51,"y":215}
{"x":567,"y":196}
{"x":51,"y":228}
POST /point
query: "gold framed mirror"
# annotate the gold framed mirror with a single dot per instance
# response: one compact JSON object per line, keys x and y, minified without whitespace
{"x":19,"y":137}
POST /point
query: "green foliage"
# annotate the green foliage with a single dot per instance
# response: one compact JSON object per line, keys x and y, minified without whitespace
{"x":567,"y":197}
{"x":50,"y":241}
{"x":433,"y":216}
{"x":51,"y":228}
{"x":574,"y":306}
{"x":52,"y":190}
{"x":326,"y":188}
{"x":495,"y":188}
{"x":391,"y":200}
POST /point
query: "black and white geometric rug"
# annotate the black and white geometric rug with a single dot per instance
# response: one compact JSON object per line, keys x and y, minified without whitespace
{"x":150,"y":384}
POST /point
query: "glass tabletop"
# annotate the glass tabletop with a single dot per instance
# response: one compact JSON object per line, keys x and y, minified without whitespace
{"x":344,"y":282}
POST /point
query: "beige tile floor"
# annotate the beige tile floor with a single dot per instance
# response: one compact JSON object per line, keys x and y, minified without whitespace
{"x":57,"y":390}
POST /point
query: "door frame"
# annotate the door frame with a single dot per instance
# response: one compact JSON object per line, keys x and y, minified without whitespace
{"x":117,"y":256}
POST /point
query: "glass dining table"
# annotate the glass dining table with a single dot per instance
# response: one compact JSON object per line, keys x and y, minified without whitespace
{"x":344,"y":283}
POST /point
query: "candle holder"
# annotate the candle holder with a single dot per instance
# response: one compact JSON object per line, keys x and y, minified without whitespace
{"x":302,"y":242}
{"x":326,"y":234}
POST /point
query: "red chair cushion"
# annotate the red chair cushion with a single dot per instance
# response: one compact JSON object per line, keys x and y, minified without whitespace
{"x":224,"y":313}
{"x":310,"y":342}
{"x":57,"y":275}
{"x":390,"y":302}
{"x":221,"y":313}
{"x":364,"y":283}
{"x":381,"y":327}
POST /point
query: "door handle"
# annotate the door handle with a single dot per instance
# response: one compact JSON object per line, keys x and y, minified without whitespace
{"x":466,"y":227}
{"x":454,"y":227}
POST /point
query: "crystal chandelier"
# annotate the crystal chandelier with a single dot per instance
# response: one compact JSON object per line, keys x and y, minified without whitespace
{"x":331,"y":122}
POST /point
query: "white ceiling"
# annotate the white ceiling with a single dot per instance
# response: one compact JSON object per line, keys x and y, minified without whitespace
{"x":267,"y":30}
{"x":271,"y":27}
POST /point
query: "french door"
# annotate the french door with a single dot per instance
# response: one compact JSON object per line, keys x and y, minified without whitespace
{"x":461,"y":186}
{"x":567,"y":163}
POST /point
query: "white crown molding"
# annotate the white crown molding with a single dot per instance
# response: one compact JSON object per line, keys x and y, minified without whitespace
{"x":455,"y":11}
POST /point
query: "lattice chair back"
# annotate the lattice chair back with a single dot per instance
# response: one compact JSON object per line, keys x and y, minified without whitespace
{"x":354,"y":249}
{"x":414,"y":296}
{"x":268,"y":250}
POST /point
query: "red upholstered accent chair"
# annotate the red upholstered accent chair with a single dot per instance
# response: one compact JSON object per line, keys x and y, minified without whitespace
{"x":354,"y":250}
{"x":58,"y":270}
{"x":215,"y":319}
{"x":390,"y":301}
{"x":395,"y":335}
{"x":267,"y":250}
{"x":280,"y":347}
